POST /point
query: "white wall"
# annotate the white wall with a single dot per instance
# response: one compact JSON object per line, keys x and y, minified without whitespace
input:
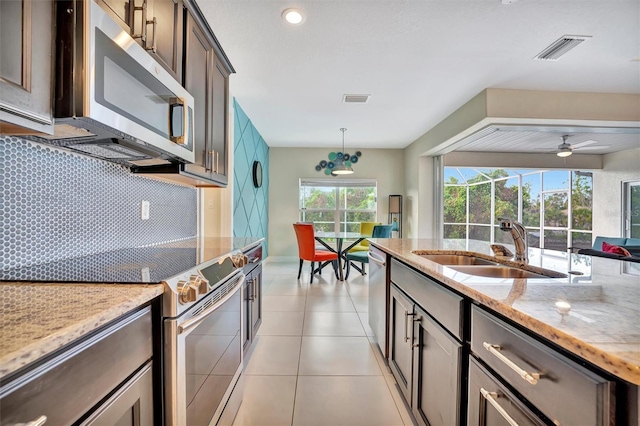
{"x":607,"y":190}
{"x":420,"y":217}
{"x":288,"y":165}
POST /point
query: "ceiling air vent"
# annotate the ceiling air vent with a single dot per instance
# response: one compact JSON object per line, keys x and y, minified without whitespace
{"x":355,"y":99}
{"x":560,"y":47}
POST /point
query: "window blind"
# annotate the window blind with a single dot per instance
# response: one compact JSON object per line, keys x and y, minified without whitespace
{"x":339,"y":183}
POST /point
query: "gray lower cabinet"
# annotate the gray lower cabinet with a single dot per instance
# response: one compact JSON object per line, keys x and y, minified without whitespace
{"x":564,"y":391}
{"x":492,"y":404}
{"x":131,"y":405}
{"x":426,"y":362}
{"x":68,"y":387}
{"x":456,"y":363}
{"x":26,"y":34}
{"x":400,"y":344}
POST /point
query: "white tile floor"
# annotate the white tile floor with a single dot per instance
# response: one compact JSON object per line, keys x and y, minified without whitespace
{"x":313,"y":362}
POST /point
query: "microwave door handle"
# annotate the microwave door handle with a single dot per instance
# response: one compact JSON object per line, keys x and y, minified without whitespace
{"x":177,"y":105}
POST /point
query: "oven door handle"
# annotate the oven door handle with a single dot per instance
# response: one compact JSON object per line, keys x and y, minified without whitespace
{"x":195,"y":321}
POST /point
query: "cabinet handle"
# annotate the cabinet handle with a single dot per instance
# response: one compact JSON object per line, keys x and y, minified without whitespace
{"x":495,"y":350}
{"x":153,"y":47}
{"x":217,"y":162}
{"x":37,"y":422}
{"x":406,"y":319}
{"x":250,"y":288}
{"x":417,"y":319}
{"x":143,"y":27}
{"x":209,"y":164}
{"x":255,"y":288}
{"x":491,"y":397}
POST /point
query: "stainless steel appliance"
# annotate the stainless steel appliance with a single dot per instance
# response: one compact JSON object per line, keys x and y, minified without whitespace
{"x":202,"y":310}
{"x":202,"y":315}
{"x":378,"y":297}
{"x":112,"y":99}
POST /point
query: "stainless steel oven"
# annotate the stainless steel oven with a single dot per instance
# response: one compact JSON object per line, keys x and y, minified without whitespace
{"x":202,"y":317}
{"x":203,"y":344}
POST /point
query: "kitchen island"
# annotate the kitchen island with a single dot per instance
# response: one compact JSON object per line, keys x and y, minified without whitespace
{"x":587,"y":316}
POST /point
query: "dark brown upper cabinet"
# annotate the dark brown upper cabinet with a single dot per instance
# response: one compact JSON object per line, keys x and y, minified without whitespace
{"x":26,"y":29}
{"x":157,"y":25}
{"x":206,"y":77}
{"x":206,"y":71}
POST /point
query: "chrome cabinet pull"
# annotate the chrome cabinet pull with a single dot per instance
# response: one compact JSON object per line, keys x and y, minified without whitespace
{"x":153,"y":47}
{"x":491,"y":397}
{"x":376,"y":260}
{"x":143,"y":26}
{"x":255,"y":288}
{"x":250,"y":289}
{"x":209,"y":163}
{"x":495,"y":350}
{"x":406,"y":318}
{"x":217,"y":162}
{"x":416,"y":319}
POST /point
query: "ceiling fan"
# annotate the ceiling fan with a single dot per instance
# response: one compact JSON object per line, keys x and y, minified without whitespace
{"x":565,"y":149}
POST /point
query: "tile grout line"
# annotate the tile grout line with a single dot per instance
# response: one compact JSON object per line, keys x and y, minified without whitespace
{"x":295,"y":389}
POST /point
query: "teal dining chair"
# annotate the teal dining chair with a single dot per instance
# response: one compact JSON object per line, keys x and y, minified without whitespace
{"x":379,"y":231}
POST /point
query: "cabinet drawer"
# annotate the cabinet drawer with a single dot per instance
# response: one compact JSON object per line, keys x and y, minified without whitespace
{"x":70,"y":384}
{"x":442,"y":304}
{"x":491,"y":403}
{"x":565,"y":392}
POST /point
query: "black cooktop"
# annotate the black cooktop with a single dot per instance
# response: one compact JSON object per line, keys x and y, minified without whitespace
{"x":131,"y":265}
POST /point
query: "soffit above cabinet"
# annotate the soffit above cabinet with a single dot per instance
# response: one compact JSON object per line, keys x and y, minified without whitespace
{"x":533,"y":122}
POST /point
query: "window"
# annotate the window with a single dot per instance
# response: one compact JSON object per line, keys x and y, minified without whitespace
{"x":554,"y":206}
{"x":338,"y":205}
{"x":631,"y":214}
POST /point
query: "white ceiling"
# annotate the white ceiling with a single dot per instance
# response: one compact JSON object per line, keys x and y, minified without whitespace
{"x":418,"y":59}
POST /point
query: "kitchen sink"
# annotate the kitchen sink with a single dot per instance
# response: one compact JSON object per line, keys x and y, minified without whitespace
{"x":499,"y":271}
{"x":456,"y":259}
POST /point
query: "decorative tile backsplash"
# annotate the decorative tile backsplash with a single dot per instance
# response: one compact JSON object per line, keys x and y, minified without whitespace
{"x":58,"y":205}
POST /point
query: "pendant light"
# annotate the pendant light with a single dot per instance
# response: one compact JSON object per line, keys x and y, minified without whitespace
{"x":342,"y":169}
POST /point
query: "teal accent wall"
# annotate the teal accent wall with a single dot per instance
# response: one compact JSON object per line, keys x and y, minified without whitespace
{"x":250,"y":204}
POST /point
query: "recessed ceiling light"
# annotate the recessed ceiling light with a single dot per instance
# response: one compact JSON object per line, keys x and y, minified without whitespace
{"x":293,"y":16}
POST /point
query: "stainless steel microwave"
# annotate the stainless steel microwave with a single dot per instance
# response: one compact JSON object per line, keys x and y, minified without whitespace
{"x":112,"y":99}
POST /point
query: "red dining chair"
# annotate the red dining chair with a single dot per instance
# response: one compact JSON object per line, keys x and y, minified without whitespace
{"x":307,"y":250}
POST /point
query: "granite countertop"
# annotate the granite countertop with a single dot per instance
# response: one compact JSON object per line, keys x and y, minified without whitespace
{"x":37,"y":319}
{"x":603,"y":322}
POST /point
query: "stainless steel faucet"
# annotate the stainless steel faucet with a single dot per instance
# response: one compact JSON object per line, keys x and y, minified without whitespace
{"x":520,"y":238}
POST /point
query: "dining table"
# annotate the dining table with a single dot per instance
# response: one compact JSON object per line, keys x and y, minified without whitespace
{"x":322,"y":236}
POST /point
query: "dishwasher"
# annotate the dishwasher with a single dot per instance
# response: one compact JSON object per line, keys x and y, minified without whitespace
{"x":379,"y":297}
